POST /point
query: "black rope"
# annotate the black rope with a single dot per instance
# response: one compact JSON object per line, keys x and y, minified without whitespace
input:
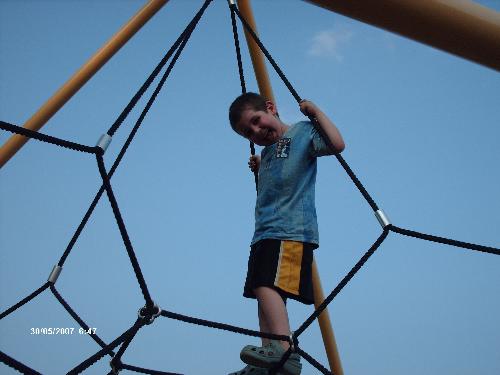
{"x":115,"y":164}
{"x":79,"y":320}
{"x":105,"y":176}
{"x":116,"y":361}
{"x":232,"y":7}
{"x":222,"y":326}
{"x":101,"y":353}
{"x":123,"y":231}
{"x":47,"y":138}
{"x":237,"y":48}
{"x":126,"y":338}
{"x":268,"y":55}
{"x":274,"y":369}
{"x":16,"y":365}
{"x":24,"y":300}
{"x":356,"y":181}
{"x":313,"y":362}
{"x":184,"y":36}
{"x":446,"y":241}
{"x":343,"y":283}
{"x":146,"y":371}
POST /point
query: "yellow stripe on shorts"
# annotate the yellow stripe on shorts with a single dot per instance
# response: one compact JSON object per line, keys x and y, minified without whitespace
{"x":289,"y":266}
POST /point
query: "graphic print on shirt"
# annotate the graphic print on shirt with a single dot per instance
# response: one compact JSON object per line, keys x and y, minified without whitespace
{"x":283,"y":147}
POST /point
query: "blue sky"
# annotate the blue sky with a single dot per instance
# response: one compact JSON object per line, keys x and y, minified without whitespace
{"x":421,"y":128}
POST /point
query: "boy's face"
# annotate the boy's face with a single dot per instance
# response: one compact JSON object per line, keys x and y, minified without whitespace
{"x":261,"y":127}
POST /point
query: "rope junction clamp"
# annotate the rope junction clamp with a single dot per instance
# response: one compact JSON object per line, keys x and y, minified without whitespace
{"x":292,"y":342}
{"x":149,"y":317}
{"x":56,"y":271}
{"x":382,"y":218}
{"x":231,"y":2}
{"x":104,"y":142}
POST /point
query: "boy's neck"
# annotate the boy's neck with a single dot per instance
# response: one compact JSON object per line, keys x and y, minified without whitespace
{"x":283,"y":127}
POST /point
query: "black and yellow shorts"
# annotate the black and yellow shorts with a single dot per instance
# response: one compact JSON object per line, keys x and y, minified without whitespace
{"x":283,"y":265}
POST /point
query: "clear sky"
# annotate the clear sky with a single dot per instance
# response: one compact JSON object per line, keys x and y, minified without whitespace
{"x":422,"y":132}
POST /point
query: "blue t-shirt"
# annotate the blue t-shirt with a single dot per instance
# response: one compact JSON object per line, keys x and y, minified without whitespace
{"x":285,"y":207}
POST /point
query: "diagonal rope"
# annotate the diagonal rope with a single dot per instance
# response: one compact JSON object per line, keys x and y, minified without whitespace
{"x":146,"y":371}
{"x":24,"y":300}
{"x":16,"y":365}
{"x":222,"y":326}
{"x":313,"y":362}
{"x":125,"y":344}
{"x":46,"y":138}
{"x":237,"y":48}
{"x":446,"y":241}
{"x":79,"y":320}
{"x":101,"y":353}
{"x":123,"y":231}
{"x":343,"y":283}
{"x":185,"y":36}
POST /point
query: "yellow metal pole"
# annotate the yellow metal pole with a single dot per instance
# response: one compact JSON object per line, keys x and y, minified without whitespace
{"x":72,"y":86}
{"x":460,"y":27}
{"x":266,"y":90}
{"x":326,"y":326}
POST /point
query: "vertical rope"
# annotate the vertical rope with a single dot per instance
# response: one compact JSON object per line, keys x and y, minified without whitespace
{"x":232,"y":7}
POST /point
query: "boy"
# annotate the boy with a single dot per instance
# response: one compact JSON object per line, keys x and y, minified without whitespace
{"x":286,"y":232}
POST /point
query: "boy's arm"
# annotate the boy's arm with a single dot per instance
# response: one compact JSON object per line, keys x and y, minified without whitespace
{"x":308,"y":108}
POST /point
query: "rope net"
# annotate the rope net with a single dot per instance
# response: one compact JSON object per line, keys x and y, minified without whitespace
{"x":150,"y":311}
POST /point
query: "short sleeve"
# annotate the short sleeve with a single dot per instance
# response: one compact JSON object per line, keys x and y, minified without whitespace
{"x":319,"y":146}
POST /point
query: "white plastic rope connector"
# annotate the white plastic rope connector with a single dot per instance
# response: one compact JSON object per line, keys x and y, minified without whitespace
{"x":382,"y":218}
{"x":104,"y":142}
{"x":56,"y":271}
{"x":292,"y":343}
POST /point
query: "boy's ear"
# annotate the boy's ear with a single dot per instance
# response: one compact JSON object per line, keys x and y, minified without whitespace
{"x":271,"y":107}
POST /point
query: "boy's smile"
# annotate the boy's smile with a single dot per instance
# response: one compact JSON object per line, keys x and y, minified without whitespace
{"x":261,"y":127}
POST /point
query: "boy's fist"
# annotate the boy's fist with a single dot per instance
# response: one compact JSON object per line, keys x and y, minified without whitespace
{"x":308,"y":108}
{"x":254,"y":163}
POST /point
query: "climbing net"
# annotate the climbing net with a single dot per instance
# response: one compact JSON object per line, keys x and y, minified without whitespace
{"x":150,"y":311}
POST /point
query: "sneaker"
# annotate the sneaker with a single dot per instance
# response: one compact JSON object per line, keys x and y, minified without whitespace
{"x":270,"y":355}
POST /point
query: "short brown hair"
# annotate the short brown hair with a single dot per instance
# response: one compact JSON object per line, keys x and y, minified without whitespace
{"x":245,"y":101}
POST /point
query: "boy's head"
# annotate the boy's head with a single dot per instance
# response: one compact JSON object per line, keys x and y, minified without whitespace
{"x":255,"y":118}
{"x":242,"y":102}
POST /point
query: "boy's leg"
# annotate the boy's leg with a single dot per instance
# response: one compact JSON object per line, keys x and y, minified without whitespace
{"x":264,"y":327}
{"x":273,"y":316}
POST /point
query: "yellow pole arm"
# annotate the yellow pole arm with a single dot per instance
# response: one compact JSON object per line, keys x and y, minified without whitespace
{"x":79,"y":79}
{"x":326,"y":326}
{"x":460,"y":27}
